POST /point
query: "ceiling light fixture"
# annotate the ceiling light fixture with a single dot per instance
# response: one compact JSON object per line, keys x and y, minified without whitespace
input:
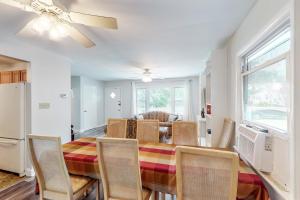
{"x":50,"y":25}
{"x":147,"y":76}
{"x":147,"y":79}
{"x":42,"y":24}
{"x":53,"y":12}
{"x":57,"y":31}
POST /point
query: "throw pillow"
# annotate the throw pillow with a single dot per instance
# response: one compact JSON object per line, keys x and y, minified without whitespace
{"x":172,"y":118}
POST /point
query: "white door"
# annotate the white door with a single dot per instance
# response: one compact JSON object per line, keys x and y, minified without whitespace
{"x":113,"y":104}
{"x":89,"y":107}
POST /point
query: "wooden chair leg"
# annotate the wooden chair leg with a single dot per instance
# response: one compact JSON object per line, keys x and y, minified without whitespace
{"x":163,"y":196}
{"x":156,"y":195}
{"x":101,"y":190}
{"x":97,"y":190}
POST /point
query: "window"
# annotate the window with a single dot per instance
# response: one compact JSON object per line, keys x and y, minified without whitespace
{"x":141,"y":100}
{"x":179,"y":100}
{"x":166,"y":99}
{"x":160,"y":99}
{"x":265,"y":83}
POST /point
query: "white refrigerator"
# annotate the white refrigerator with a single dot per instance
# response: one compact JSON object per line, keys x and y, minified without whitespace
{"x":14,"y":126}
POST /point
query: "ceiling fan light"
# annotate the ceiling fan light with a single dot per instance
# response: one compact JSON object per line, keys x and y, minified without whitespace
{"x":57,"y":31}
{"x":61,"y":29}
{"x":42,"y":24}
{"x":54,"y":34}
{"x":147,"y":79}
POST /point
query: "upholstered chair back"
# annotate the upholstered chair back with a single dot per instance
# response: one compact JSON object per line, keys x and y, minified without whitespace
{"x":49,"y":165}
{"x":117,"y":128}
{"x":119,"y":168}
{"x":185,"y":133}
{"x":148,"y":131}
{"x":226,"y":134}
{"x":206,"y":174}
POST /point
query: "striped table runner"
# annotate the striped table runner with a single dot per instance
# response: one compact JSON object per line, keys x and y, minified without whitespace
{"x":158,"y":171}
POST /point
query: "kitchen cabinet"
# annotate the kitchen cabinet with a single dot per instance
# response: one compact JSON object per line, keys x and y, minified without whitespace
{"x":5,"y":77}
{"x":16,"y":76}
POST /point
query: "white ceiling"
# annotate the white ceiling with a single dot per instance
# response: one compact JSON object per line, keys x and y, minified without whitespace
{"x":173,"y":38}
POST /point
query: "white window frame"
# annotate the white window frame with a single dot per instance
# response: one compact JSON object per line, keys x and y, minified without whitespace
{"x":172,"y":86}
{"x":273,"y":30}
{"x":284,"y":56}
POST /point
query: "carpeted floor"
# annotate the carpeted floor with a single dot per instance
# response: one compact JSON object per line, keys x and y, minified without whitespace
{"x":8,"y":179}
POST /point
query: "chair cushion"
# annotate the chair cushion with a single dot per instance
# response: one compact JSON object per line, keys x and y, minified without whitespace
{"x":146,"y":194}
{"x":78,"y":182}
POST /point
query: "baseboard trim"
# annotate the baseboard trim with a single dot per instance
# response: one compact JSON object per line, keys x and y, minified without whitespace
{"x":29,"y":172}
{"x":92,"y":129}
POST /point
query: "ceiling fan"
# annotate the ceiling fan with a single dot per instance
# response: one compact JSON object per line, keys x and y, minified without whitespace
{"x":147,"y":76}
{"x":55,"y":20}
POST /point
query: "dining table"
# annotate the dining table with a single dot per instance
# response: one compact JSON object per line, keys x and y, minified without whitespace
{"x":157,"y":166}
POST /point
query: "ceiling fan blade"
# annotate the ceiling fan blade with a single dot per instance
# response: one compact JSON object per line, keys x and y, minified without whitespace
{"x":93,"y":20}
{"x":47,"y":2}
{"x":21,"y":4}
{"x":79,"y":37}
{"x":27,"y":29}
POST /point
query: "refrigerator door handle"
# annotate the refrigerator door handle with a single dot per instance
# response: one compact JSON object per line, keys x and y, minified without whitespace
{"x":8,"y":143}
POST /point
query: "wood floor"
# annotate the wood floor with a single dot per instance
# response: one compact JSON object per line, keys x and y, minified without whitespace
{"x":25,"y":190}
{"x":21,"y":191}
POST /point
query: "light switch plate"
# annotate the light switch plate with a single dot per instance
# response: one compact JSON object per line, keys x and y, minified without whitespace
{"x":44,"y":106}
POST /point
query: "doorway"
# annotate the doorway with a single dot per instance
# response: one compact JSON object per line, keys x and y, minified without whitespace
{"x":113,"y":104}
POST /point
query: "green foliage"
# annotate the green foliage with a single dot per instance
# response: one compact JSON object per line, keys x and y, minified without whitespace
{"x":159,"y":97}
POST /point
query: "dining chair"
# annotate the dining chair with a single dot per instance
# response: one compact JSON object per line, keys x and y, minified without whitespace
{"x":185,"y":133}
{"x":55,"y":183}
{"x":120,"y":169}
{"x":148,"y":131}
{"x":226,"y":134}
{"x":206,"y":174}
{"x":117,"y":128}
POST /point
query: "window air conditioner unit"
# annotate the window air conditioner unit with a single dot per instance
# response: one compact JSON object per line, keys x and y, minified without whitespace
{"x":255,"y":147}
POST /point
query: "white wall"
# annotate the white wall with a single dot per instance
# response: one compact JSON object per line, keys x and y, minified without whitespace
{"x":296,"y":94}
{"x":215,"y":83}
{"x":78,"y":84}
{"x":126,"y":93}
{"x":260,"y":18}
{"x":50,"y":76}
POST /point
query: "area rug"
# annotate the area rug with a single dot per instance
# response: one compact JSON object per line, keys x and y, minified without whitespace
{"x":8,"y":179}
